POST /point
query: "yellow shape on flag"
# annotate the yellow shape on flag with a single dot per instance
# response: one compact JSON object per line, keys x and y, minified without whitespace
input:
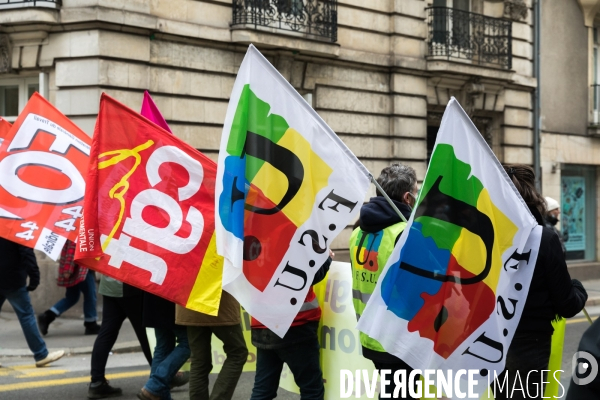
{"x":504,"y":233}
{"x":470,"y":251}
{"x":206,"y":293}
{"x":271,"y":182}
{"x":119,"y":190}
{"x":316,"y":175}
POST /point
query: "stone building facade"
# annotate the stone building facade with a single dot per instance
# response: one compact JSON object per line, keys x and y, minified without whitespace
{"x":570,"y":129}
{"x":379,"y":72}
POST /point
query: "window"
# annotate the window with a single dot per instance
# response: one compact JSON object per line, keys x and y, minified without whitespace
{"x":14,"y":94}
{"x":457,"y":32}
{"x":290,"y":7}
{"x":461,"y":23}
{"x":596,"y":81}
{"x":456,"y":21}
{"x":578,"y":211}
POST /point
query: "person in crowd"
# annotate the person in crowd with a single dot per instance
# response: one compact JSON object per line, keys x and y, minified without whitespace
{"x":552,"y":213}
{"x":299,"y":349}
{"x":171,"y":352}
{"x":16,"y":264}
{"x":379,"y":220}
{"x":77,"y":279}
{"x":552,"y":294}
{"x":200,"y":328}
{"x":119,"y":301}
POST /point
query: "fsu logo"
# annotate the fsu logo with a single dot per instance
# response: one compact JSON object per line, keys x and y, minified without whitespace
{"x":365,"y":256}
{"x":449,"y":267}
{"x":271,"y":180}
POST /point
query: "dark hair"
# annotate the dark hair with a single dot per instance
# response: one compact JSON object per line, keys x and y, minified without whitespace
{"x":523,"y":178}
{"x":396,"y":180}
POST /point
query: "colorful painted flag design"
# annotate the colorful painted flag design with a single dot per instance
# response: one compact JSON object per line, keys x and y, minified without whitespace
{"x":286,"y":186}
{"x":454,"y":288}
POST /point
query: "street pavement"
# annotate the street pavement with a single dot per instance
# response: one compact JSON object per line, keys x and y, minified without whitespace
{"x":68,"y":378}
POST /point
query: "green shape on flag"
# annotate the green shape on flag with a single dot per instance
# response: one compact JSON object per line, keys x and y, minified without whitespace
{"x":432,"y":227}
{"x":252,"y":114}
{"x":456,"y":181}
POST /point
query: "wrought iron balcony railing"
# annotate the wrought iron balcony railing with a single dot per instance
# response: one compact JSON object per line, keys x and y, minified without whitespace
{"x":9,"y":4}
{"x":595,"y":104}
{"x":316,"y":18}
{"x":461,"y":34}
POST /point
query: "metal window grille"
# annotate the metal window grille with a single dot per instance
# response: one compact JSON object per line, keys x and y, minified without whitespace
{"x":7,"y":4}
{"x":462,"y":34}
{"x":312,"y":17}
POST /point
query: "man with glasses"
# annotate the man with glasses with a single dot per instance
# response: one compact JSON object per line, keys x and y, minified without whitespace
{"x":372,"y":243}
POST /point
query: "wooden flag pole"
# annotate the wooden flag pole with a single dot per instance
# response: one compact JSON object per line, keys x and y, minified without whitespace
{"x":388,"y":198}
{"x":587,"y":315}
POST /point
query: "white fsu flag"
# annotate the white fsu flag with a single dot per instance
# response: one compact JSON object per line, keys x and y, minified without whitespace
{"x":453,"y":290}
{"x":286,"y":187}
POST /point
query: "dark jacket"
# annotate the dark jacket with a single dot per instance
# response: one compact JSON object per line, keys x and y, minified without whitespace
{"x":17,"y":262}
{"x":378,"y":214}
{"x":550,"y":222}
{"x":375,"y":216}
{"x":264,"y":338}
{"x":552,"y":291}
{"x":157,"y":312}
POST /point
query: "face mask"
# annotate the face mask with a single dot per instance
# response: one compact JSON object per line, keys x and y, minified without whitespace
{"x":552,"y":220}
{"x":414,"y":200}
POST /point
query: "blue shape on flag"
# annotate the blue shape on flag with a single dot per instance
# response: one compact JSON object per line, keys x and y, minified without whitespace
{"x":401,"y":290}
{"x":233,"y":197}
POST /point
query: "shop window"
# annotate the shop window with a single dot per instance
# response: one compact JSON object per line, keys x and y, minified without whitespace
{"x":578,"y":211}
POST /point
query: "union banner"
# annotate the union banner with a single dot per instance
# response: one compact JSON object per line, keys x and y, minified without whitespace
{"x":4,"y":129}
{"x":149,"y":210}
{"x":43,"y":161}
{"x":454,"y":288}
{"x":286,"y":187}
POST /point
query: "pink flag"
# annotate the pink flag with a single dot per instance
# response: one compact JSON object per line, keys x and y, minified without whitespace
{"x":150,"y":111}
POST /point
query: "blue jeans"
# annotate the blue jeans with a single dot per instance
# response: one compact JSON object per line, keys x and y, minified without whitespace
{"x":21,"y":303}
{"x":88,"y":288}
{"x":167,"y":360}
{"x":302,"y":359}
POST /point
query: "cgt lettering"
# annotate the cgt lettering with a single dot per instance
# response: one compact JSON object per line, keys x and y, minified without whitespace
{"x":136,"y":226}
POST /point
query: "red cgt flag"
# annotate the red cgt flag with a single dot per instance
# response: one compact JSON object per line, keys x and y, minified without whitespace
{"x":149,"y":210}
{"x":43,"y":160}
{"x":4,"y":129}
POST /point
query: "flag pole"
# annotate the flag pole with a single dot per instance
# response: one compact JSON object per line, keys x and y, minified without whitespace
{"x":587,"y":315}
{"x":388,"y":198}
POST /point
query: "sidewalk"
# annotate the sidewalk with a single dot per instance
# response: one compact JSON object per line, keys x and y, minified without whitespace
{"x":64,"y":333}
{"x":593,"y":289}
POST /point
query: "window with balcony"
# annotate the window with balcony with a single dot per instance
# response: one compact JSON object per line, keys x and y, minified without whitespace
{"x":7,"y":4}
{"x":14,"y":94}
{"x":457,"y":33}
{"x":315,"y":19}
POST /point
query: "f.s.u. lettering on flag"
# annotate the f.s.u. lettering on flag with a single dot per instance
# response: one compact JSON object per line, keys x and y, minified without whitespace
{"x":286,"y":186}
{"x":43,"y":161}
{"x":454,"y":288}
{"x":149,"y":210}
